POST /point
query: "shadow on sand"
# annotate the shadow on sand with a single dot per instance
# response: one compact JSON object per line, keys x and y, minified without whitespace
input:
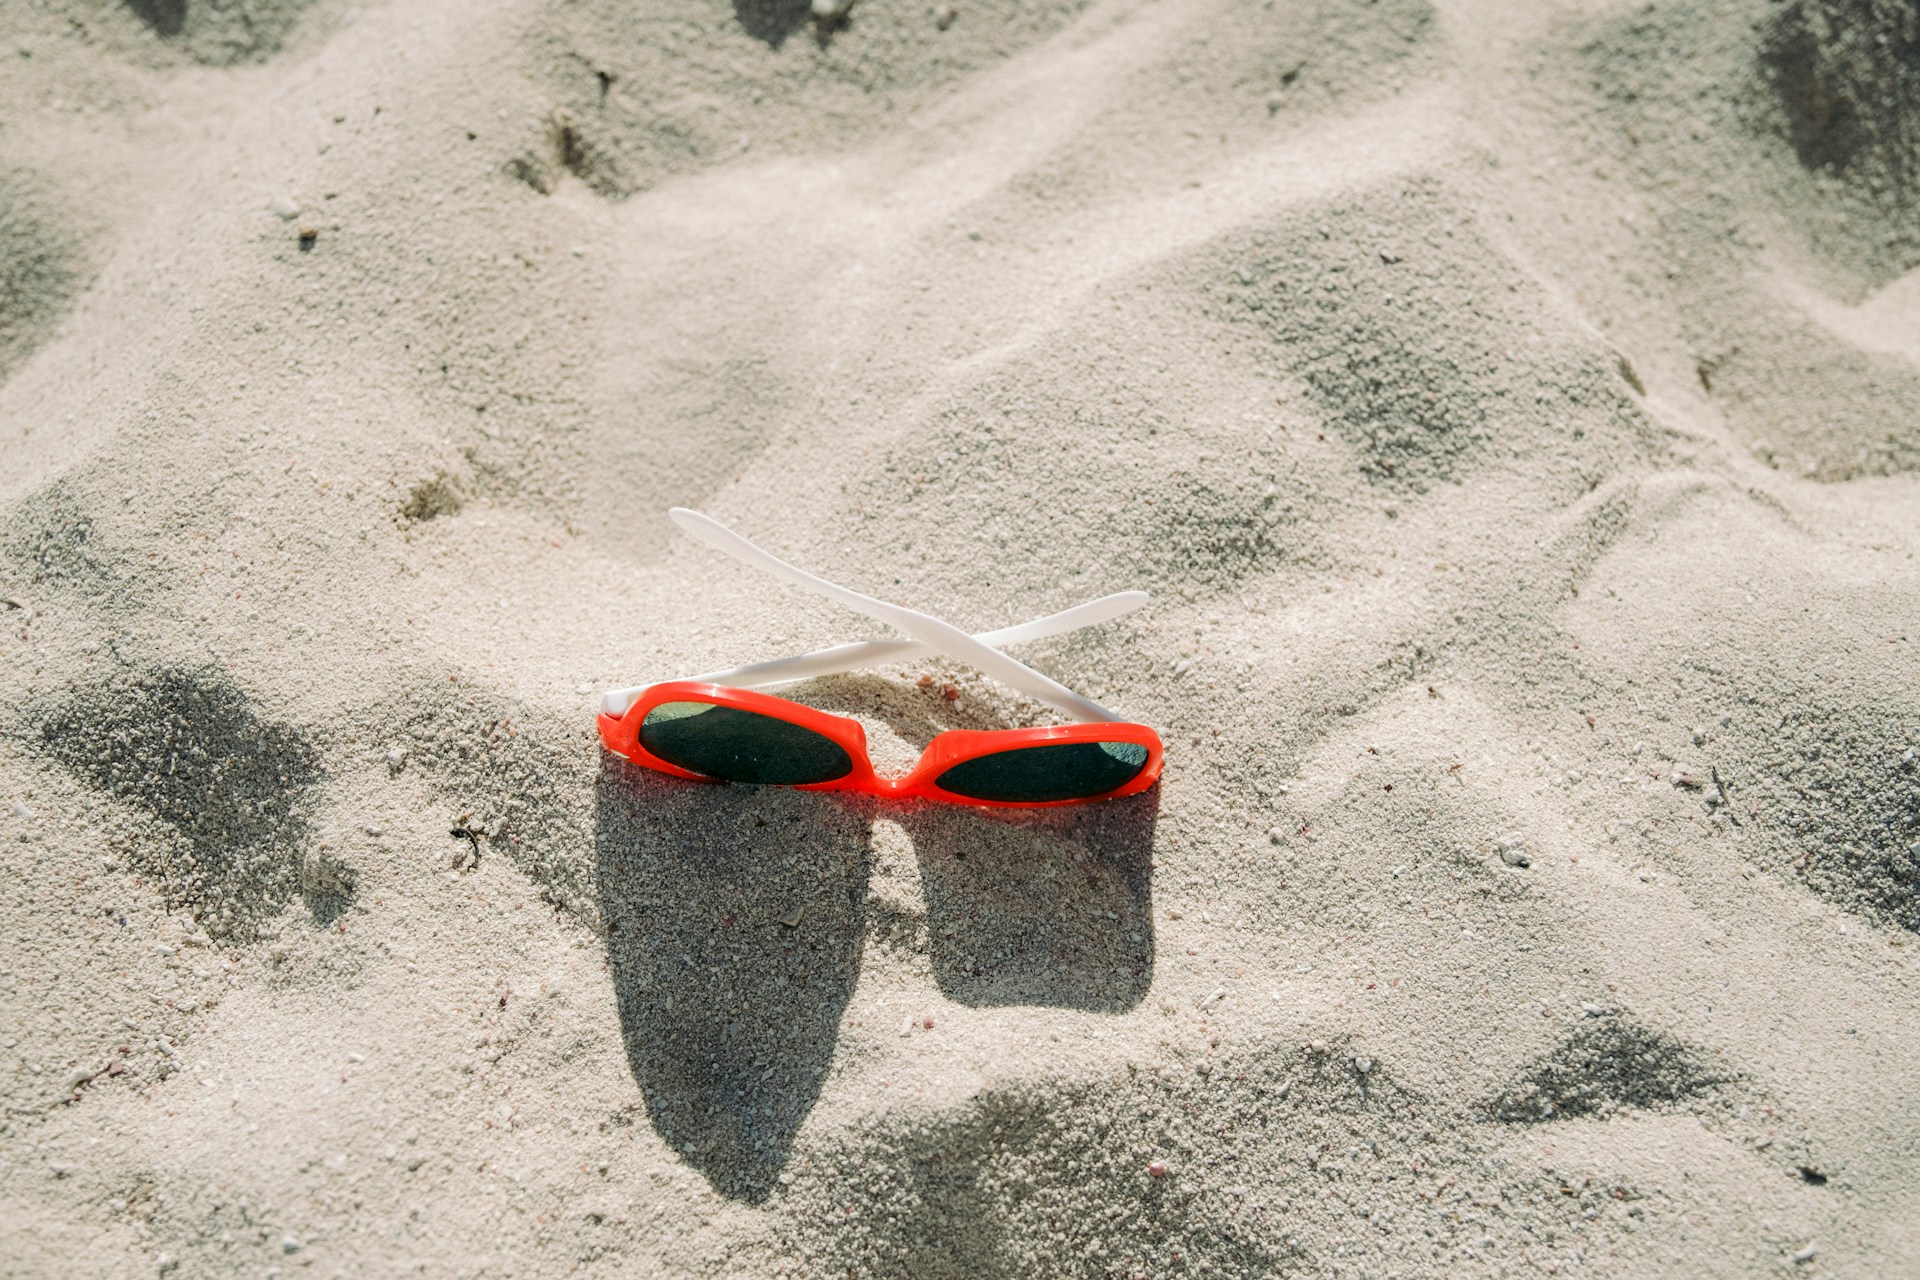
{"x":737,"y":918}
{"x":729,"y":1015}
{"x":772,"y":21}
{"x":1039,"y":907}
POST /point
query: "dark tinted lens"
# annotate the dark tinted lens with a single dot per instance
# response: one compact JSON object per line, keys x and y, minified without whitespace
{"x":741,"y":746}
{"x":1064,"y":771}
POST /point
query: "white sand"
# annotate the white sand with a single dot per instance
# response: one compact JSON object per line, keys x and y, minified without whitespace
{"x":1513,"y":406}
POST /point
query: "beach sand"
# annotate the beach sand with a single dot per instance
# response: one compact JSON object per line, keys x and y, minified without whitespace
{"x":1513,"y":408}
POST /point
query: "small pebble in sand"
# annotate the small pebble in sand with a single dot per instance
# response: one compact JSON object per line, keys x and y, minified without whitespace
{"x":944,"y":15}
{"x":793,"y":918}
{"x":1212,"y":998}
{"x":950,"y":692}
{"x":830,"y":10}
{"x":289,"y":1245}
{"x":286,"y":207}
{"x":926,"y":1022}
{"x":1363,"y":1065}
{"x":396,"y":759}
{"x":1806,"y":1254}
{"x":1158,"y":1169}
{"x":925,"y":682}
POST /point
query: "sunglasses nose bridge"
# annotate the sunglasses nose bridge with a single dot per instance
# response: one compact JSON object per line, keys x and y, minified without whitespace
{"x":868,"y":777}
{"x":904,"y":783}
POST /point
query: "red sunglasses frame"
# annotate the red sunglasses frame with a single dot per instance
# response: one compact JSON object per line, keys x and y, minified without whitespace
{"x":621,"y":734}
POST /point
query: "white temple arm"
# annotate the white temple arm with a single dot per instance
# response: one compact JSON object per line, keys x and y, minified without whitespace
{"x":878,"y":653}
{"x":942,"y":637}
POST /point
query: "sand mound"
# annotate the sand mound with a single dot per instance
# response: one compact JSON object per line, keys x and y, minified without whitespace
{"x":1437,"y":314}
{"x":1607,"y":1064}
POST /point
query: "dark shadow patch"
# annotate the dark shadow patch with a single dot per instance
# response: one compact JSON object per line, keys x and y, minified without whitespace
{"x":186,"y":748}
{"x":1846,"y":74}
{"x":1609,"y":1063}
{"x":1844,"y":79}
{"x":574,"y":154}
{"x":222,"y":33}
{"x":735,"y":921}
{"x":166,"y":17}
{"x":772,"y":22}
{"x":566,"y":150}
{"x":533,"y":170}
{"x":1039,"y":910}
{"x":432,"y":498}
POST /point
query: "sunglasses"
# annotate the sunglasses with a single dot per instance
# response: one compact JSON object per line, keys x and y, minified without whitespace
{"x":720,"y":728}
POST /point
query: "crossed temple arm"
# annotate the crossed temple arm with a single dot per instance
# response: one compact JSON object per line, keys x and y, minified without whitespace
{"x":879,"y":653}
{"x":930,"y":634}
